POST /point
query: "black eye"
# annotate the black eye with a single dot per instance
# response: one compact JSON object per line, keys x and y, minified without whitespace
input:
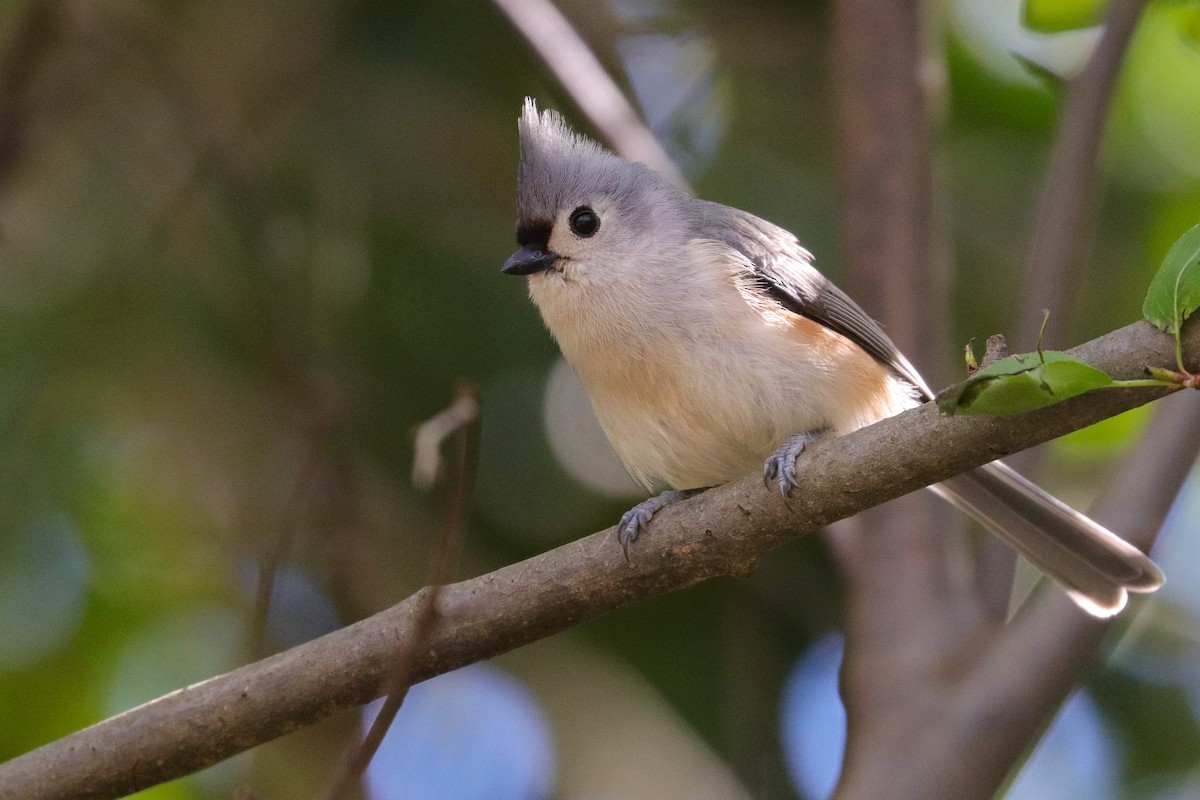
{"x":584,"y":222}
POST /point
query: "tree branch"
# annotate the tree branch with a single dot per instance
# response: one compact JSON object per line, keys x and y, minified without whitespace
{"x":884,"y":174}
{"x":903,"y":572}
{"x":1065,"y":220}
{"x":1063,"y":232}
{"x":457,"y":420}
{"x":955,"y":733}
{"x":567,"y":55}
{"x":1035,"y":664}
{"x":38,"y":32}
{"x":721,"y":532}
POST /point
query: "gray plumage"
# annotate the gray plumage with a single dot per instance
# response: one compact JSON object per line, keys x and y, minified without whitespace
{"x":706,"y":340}
{"x":785,"y":268}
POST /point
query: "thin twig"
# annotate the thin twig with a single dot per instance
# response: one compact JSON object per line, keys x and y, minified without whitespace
{"x":583,"y":76}
{"x":430,"y":434}
{"x":1063,"y":230}
{"x":1064,"y":224}
{"x":37,"y":32}
{"x":1034,"y":663}
{"x":277,"y":548}
{"x":724,"y":531}
{"x":459,"y":421}
{"x":903,"y":572}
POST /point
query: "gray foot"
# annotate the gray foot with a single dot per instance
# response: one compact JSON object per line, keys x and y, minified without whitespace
{"x":780,"y":466}
{"x":635,"y":520}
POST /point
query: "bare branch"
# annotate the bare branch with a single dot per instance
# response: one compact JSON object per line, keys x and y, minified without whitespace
{"x":37,"y":33}
{"x":884,"y":175}
{"x":1063,"y":231}
{"x":462,"y":413}
{"x":903,"y":571}
{"x":275,"y":548}
{"x":1144,"y":489}
{"x":1065,"y":217}
{"x":1036,"y":662}
{"x":1013,"y":679}
{"x":1024,"y":672}
{"x":721,"y":532}
{"x":584,"y":77}
{"x":427,"y":441}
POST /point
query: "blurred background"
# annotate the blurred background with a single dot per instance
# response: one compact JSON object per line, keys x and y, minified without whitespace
{"x":245,"y":247}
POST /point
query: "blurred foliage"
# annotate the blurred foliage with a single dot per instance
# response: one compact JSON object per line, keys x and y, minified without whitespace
{"x":1054,"y":16}
{"x":246,"y":247}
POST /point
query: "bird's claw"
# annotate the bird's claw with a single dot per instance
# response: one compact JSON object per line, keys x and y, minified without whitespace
{"x":780,"y":469}
{"x":635,"y":520}
{"x":780,"y":466}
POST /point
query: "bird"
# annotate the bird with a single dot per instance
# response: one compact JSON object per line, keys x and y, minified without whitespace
{"x":710,"y":346}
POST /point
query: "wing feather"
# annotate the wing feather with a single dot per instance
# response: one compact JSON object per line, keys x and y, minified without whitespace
{"x":784,"y":270}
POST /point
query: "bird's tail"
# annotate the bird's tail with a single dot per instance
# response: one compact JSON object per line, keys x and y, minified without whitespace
{"x":1095,"y":566}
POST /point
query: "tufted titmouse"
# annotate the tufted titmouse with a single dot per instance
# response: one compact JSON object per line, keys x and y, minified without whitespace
{"x":710,"y":346}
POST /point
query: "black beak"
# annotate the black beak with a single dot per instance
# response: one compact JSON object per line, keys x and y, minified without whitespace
{"x":530,"y":259}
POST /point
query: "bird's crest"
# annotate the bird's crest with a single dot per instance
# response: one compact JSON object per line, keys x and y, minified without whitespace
{"x":559,"y":166}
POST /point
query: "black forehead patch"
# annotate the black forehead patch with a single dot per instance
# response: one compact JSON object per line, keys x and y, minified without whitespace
{"x":534,"y":231}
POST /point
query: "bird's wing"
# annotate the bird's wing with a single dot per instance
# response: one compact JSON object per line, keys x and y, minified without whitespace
{"x":784,"y":270}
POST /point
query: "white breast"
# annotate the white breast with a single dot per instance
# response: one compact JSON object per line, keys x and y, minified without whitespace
{"x":697,"y":381}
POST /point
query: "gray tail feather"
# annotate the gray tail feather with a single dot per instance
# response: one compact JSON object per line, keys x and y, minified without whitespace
{"x":1095,"y":566}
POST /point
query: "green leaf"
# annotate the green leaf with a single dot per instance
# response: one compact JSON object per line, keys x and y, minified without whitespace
{"x":1054,"y":16}
{"x":1023,"y":383}
{"x":1175,"y":291}
{"x":1189,"y":26}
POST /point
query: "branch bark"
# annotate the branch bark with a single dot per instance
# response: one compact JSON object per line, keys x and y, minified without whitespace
{"x":1034,"y":664}
{"x":903,"y":573}
{"x":1066,"y":214}
{"x":954,"y":732}
{"x":18,"y":68}
{"x":1064,"y":232}
{"x":568,"y":56}
{"x":457,"y":420}
{"x":722,"y":532}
